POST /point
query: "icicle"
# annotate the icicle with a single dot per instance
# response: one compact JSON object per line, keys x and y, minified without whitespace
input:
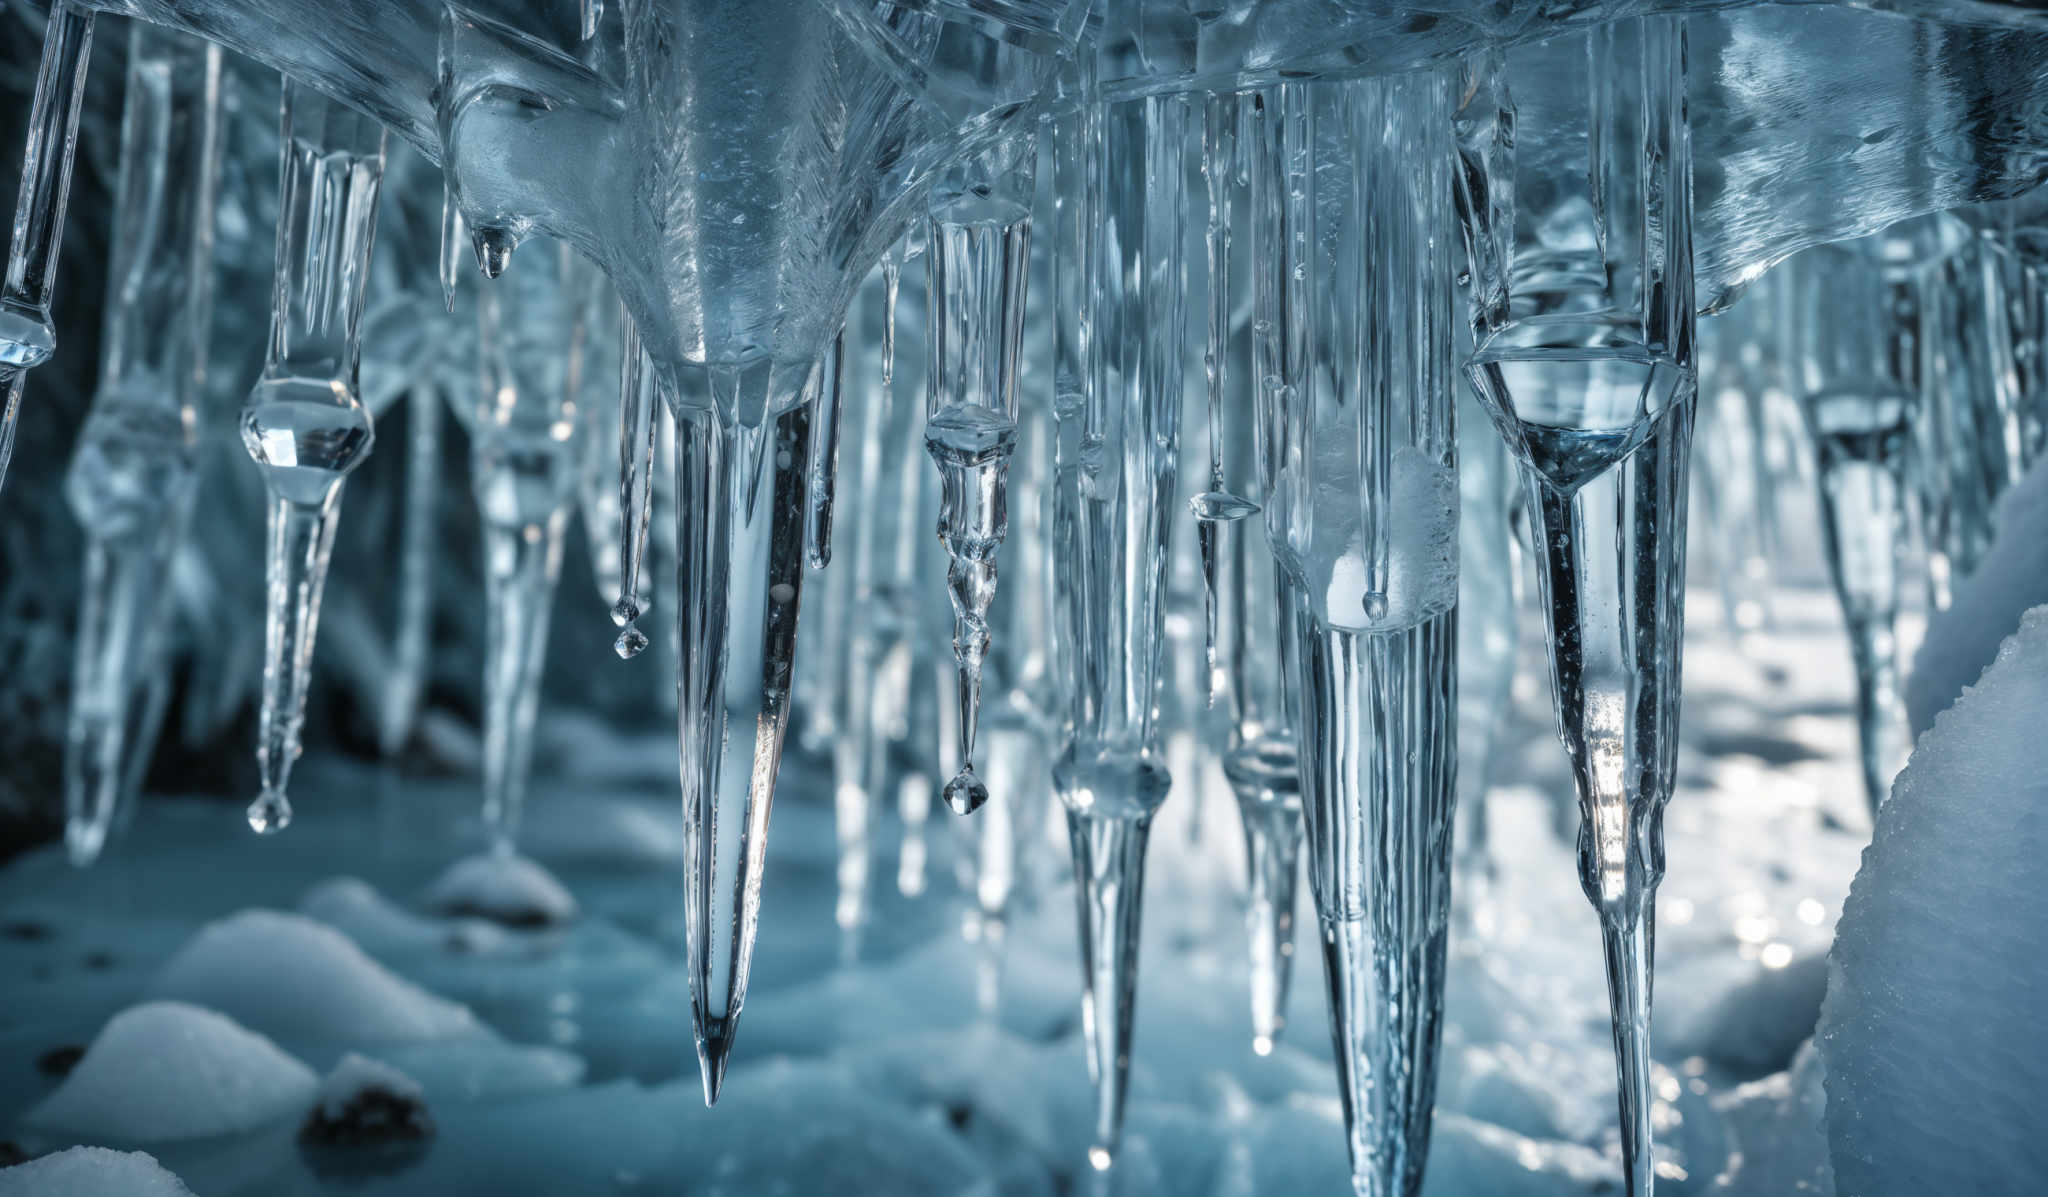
{"x":637,"y":399}
{"x":522,"y":428}
{"x":417,"y":538}
{"x":830,"y":386}
{"x":1217,"y":505}
{"x":133,"y":479}
{"x":453,"y":234}
{"x":1860,"y":414}
{"x":1120,"y":224}
{"x":304,"y":422}
{"x":1488,"y":614}
{"x":1355,"y":310}
{"x":593,"y":16}
{"x":740,"y":510}
{"x":27,"y":338}
{"x":1603,"y":438}
{"x":979,"y":268}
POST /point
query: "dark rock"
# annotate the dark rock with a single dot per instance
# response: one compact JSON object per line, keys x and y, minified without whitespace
{"x":58,"y":1062}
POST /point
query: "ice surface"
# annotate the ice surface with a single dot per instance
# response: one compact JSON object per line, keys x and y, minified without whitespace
{"x":1936,"y":1054}
{"x":504,"y":888}
{"x":91,"y":1172}
{"x":1778,"y":1128}
{"x":292,"y":978}
{"x":166,"y":1071}
{"x":2011,"y":577}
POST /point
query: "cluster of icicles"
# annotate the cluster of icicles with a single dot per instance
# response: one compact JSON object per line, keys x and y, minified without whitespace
{"x":1365,"y":261}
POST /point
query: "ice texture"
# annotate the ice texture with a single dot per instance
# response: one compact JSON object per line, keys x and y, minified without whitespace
{"x":290,"y":977}
{"x":2011,"y":577}
{"x":91,"y":1172}
{"x":1779,"y":1130}
{"x":1936,"y":1056}
{"x":166,"y":1071}
{"x":504,"y":888}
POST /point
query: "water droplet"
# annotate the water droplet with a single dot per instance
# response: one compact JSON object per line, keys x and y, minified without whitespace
{"x":631,"y":642}
{"x":1100,"y":1159}
{"x":965,"y":794}
{"x":625,"y":611}
{"x":493,"y":250}
{"x":270,"y":813}
{"x":1375,"y":605}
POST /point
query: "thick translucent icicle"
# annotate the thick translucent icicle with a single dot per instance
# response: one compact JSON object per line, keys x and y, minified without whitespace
{"x":132,"y":481}
{"x":1120,"y":306}
{"x":522,"y":426}
{"x":417,"y":537}
{"x":830,"y":387}
{"x":27,"y":338}
{"x":979,"y":267}
{"x":638,"y":397}
{"x":1602,"y":434}
{"x":592,"y":14}
{"x":740,"y":473}
{"x":304,"y":422}
{"x":1353,"y":194}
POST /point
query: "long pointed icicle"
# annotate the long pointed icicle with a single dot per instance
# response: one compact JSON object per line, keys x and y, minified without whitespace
{"x":637,"y":399}
{"x":740,"y":474}
{"x":416,"y":540}
{"x":980,"y":267}
{"x":133,"y":480}
{"x":1353,"y":198}
{"x":1603,"y":439}
{"x":1117,"y":408}
{"x":453,"y":233}
{"x":304,"y":422}
{"x":522,"y":430}
{"x":27,"y":338}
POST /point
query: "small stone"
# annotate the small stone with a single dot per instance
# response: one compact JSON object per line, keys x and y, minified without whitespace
{"x":58,"y":1062}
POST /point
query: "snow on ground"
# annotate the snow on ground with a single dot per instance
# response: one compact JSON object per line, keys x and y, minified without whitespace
{"x":504,"y":888}
{"x":559,"y":1060}
{"x":91,"y":1172}
{"x":1937,"y":1078}
{"x":165,"y":1071}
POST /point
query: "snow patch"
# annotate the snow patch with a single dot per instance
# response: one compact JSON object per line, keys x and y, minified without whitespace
{"x":166,"y":1071}
{"x":504,"y":888}
{"x":91,"y":1172}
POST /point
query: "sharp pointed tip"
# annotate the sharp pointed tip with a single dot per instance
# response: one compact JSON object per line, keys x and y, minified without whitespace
{"x":714,"y":1048}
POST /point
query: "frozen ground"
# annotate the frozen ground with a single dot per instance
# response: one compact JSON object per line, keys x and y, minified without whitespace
{"x":556,"y":1060}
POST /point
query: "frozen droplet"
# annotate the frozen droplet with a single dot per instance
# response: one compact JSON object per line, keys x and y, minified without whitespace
{"x":965,"y":793}
{"x":494,"y":248}
{"x":1375,"y":605}
{"x":631,"y":642}
{"x":270,"y":813}
{"x":625,"y":611}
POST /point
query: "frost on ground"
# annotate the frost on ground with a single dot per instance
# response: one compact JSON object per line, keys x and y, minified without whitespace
{"x":2012,"y":577}
{"x":91,"y":1172}
{"x":503,"y":888}
{"x":166,"y":1071}
{"x":1932,"y":1035}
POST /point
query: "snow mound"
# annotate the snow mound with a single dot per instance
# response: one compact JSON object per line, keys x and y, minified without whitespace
{"x":508,"y":889}
{"x":2012,"y":577}
{"x":166,"y":1071}
{"x":357,"y":1076}
{"x":91,"y":1172}
{"x":298,"y":980}
{"x":355,"y":908}
{"x":1932,"y":1037}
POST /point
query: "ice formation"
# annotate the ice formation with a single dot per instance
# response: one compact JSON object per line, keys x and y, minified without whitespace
{"x":1346,"y":215}
{"x":1906,"y":1026}
{"x":167,"y":1070}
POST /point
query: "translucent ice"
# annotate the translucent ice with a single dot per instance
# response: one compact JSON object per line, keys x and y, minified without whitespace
{"x":1936,"y":1057}
{"x":165,"y":1071}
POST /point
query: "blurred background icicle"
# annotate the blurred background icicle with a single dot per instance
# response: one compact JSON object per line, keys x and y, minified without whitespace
{"x":305,"y":423}
{"x":134,"y":476}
